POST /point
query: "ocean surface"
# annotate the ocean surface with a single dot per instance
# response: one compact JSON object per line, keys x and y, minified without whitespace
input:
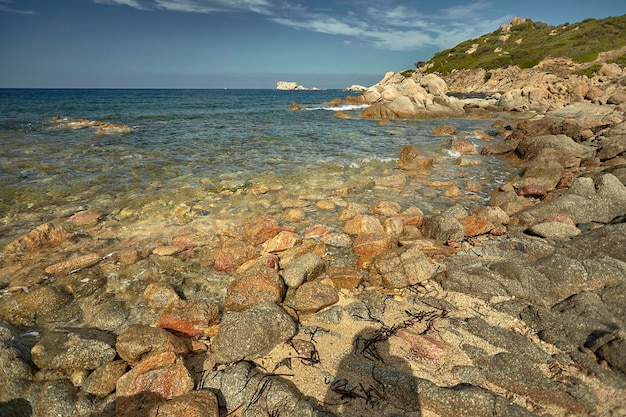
{"x":220,"y":152}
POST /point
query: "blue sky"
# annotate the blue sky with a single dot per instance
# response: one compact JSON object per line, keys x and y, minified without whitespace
{"x":246,"y":43}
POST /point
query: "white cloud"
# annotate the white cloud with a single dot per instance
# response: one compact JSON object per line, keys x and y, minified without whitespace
{"x":7,"y":6}
{"x":399,"y":25}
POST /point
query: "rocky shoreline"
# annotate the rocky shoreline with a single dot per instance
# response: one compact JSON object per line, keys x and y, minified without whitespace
{"x":513,"y":309}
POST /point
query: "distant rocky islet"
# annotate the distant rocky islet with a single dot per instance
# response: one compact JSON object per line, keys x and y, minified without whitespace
{"x":514,"y":308}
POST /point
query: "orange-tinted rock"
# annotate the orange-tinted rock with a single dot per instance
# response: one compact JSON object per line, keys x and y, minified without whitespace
{"x":482,"y":134}
{"x":147,"y":384}
{"x":112,"y":128}
{"x":464,"y":147}
{"x":394,"y":226}
{"x":345,"y":277}
{"x":73,"y":264}
{"x":48,"y":234}
{"x":188,"y":317}
{"x":295,"y":106}
{"x":532,"y":190}
{"x":84,"y":218}
{"x":372,"y":244}
{"x":313,"y":296}
{"x":325,"y":205}
{"x":232,"y":255}
{"x":412,"y":159}
{"x":316,"y":231}
{"x":562,"y":218}
{"x":280,"y":242}
{"x":475,"y":226}
{"x":158,"y":295}
{"x":342,"y":115}
{"x":200,"y":403}
{"x":412,"y":216}
{"x":256,"y":286}
{"x":386,"y":208}
{"x":473,"y":186}
{"x":443,"y":130}
{"x":363,"y":224}
{"x":453,"y":191}
{"x":261,"y":229}
{"x":422,"y":346}
{"x":167,"y":250}
{"x":139,"y":341}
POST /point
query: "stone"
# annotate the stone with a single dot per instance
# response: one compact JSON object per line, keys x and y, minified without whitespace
{"x":154,"y":379}
{"x":104,"y":312}
{"x":400,"y":267}
{"x":295,"y":106}
{"x":168,"y":250}
{"x":412,"y":159}
{"x":394,"y":226}
{"x":73,"y":349}
{"x":386,"y":208}
{"x":191,"y":318}
{"x":139,"y":341}
{"x":313,"y":296}
{"x":260,"y":229}
{"x":555,"y":230}
{"x":257,"y":285}
{"x":25,"y":309}
{"x":158,"y":295}
{"x":567,"y":152}
{"x":15,"y":371}
{"x":363,"y":224}
{"x":443,"y":228}
{"x":316,"y":231}
{"x":283,"y":240}
{"x":345,"y":277}
{"x":201,"y":403}
{"x":305,"y":268}
{"x":242,"y":383}
{"x":252,"y":333}
{"x":85,"y":218}
{"x":101,"y":382}
{"x":372,"y":244}
{"x":339,"y":240}
{"x":234,"y":254}
{"x":45,"y":235}
{"x":73,"y":264}
{"x":464,"y":147}
{"x":475,"y":226}
{"x":443,"y":130}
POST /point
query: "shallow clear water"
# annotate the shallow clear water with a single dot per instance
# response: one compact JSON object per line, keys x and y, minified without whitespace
{"x":207,"y":147}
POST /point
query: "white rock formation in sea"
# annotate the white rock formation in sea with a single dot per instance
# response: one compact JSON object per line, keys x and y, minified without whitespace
{"x":291,"y":85}
{"x":355,"y":88}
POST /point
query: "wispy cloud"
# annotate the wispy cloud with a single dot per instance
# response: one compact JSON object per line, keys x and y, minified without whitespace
{"x":8,"y":6}
{"x":399,"y":25}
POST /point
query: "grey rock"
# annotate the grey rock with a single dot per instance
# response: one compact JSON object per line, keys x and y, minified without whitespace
{"x":313,"y":296}
{"x":74,"y":349}
{"x":611,"y":348}
{"x":26,"y":308}
{"x":332,"y":315}
{"x":400,"y":267}
{"x":305,"y":268}
{"x":251,"y":333}
{"x":607,"y":241}
{"x":443,"y":228}
{"x":568,"y":152}
{"x":554,"y":230}
{"x":256,"y":394}
{"x":104,"y":312}
{"x":102,"y":380}
{"x":137,"y":342}
{"x":15,"y":372}
{"x":53,"y":398}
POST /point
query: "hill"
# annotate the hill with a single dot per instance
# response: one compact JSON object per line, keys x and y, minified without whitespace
{"x":525,"y":43}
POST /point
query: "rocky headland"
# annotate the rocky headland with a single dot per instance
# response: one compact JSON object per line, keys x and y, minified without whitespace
{"x":515,"y":308}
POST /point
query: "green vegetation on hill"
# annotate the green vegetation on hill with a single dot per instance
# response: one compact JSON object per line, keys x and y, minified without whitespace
{"x":526,"y":44}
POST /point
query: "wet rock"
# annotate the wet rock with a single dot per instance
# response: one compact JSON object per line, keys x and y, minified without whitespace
{"x":45,"y":235}
{"x":372,"y":244}
{"x":191,"y":318}
{"x":139,"y":341}
{"x":25,"y":309}
{"x":168,"y":250}
{"x":104,"y":312}
{"x":52,"y":398}
{"x":85,"y":218}
{"x":386,"y":208}
{"x":154,"y":379}
{"x":363,"y":224}
{"x":443,"y":130}
{"x":443,"y":228}
{"x":15,"y":372}
{"x":400,"y":267}
{"x":283,"y":240}
{"x":391,"y":181}
{"x":305,"y":268}
{"x":555,"y":230}
{"x":295,"y":106}
{"x":464,"y":147}
{"x":159,"y":295}
{"x":73,"y":349}
{"x":412,"y":159}
{"x":394,"y":226}
{"x":101,"y":382}
{"x":234,"y":254}
{"x":254,"y":286}
{"x":287,"y":257}
{"x":338,"y":240}
{"x":242,"y":384}
{"x":316,"y":231}
{"x":74,"y":264}
{"x":260,"y":229}
{"x":313,"y":296}
{"x":251,"y":333}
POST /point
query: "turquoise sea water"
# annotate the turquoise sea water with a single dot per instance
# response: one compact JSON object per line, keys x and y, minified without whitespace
{"x":207,"y":147}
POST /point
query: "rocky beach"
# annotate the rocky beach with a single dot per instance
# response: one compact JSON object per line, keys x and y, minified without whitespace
{"x":509,"y":306}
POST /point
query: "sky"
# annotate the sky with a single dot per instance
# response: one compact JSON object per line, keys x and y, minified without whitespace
{"x":247,"y":43}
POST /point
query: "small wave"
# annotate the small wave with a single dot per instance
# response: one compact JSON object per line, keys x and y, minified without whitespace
{"x":345,"y":107}
{"x":452,"y":154}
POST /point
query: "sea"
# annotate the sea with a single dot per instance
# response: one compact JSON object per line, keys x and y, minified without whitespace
{"x":219,"y":153}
